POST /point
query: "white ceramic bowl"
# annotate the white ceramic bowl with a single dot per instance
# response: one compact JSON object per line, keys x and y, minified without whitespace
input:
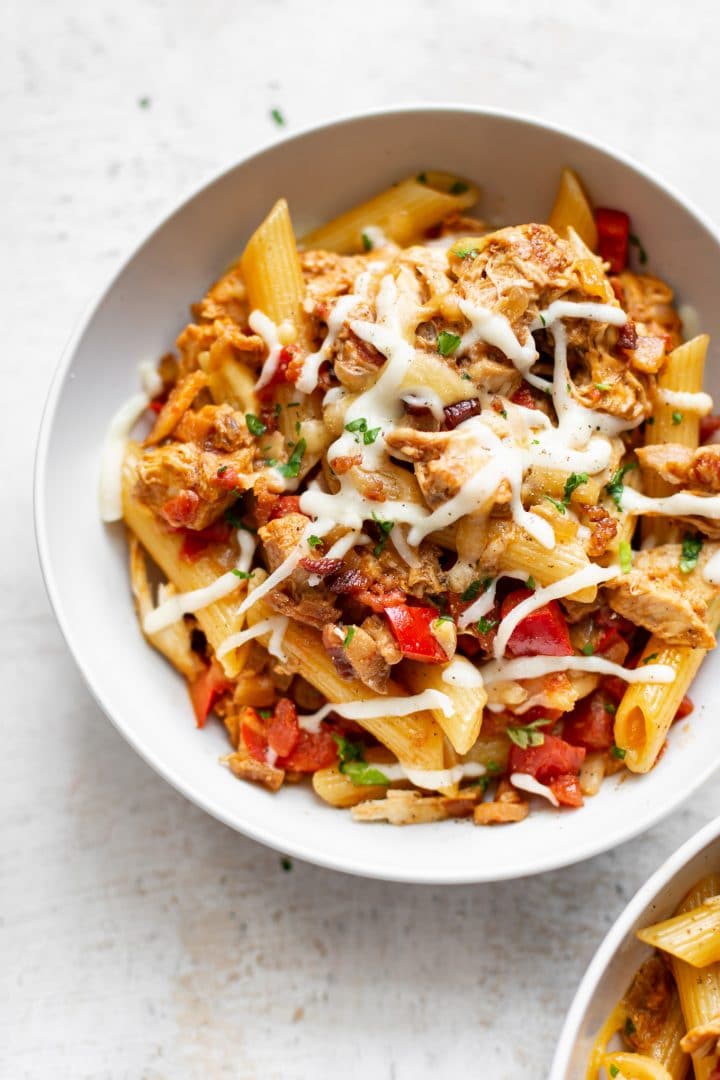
{"x":322,"y":171}
{"x":621,"y":954}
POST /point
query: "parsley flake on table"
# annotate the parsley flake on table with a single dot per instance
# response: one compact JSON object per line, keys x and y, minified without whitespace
{"x":278,"y":117}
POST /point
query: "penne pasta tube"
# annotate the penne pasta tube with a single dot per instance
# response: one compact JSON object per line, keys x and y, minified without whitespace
{"x":572,"y":210}
{"x":523,"y":552}
{"x":271,"y":268}
{"x":647,"y":710}
{"x":468,"y":698}
{"x":634,"y":1067}
{"x":699,"y":988}
{"x":402,"y":212}
{"x":692,"y":936}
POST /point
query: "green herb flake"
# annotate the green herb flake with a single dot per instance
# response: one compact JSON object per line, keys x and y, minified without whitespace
{"x":610,"y":708}
{"x":352,"y":763}
{"x":370,"y":436}
{"x":493,"y":768}
{"x":447,"y":343}
{"x":278,"y":117}
{"x":357,"y":427}
{"x":291,"y":468}
{"x":243,"y":574}
{"x":603,"y":387}
{"x":630,"y":1028}
{"x":527,"y":735}
{"x":691,"y":548}
{"x":542,"y":318}
{"x":366,"y":242}
{"x":466,"y":376}
{"x":232,"y":516}
{"x":278,"y":409}
{"x":530,"y":584}
{"x":421,"y":178}
{"x":618,"y":753}
{"x":479,"y":585}
{"x":559,"y":506}
{"x":314,"y":541}
{"x":625,"y":556}
{"x":642,"y":253}
{"x":222,"y":470}
{"x":265,"y":714}
{"x":286,"y":864}
{"x":255,"y":426}
{"x":616,"y":487}
{"x":588,"y":649}
{"x":443,"y":618}
{"x":614,"y":1071}
{"x":385,"y":527}
{"x":349,"y":636}
{"x":650,"y":421}
{"x":649,"y":659}
{"x":484,"y":626}
{"x":573,"y":482}
{"x":677,"y":418}
{"x":465,"y":251}
{"x":144,"y":102}
{"x":459,"y":188}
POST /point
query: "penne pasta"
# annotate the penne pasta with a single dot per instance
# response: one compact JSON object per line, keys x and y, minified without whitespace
{"x":271,"y":268}
{"x":572,"y":210}
{"x":699,"y":989}
{"x":462,"y":727}
{"x":692,"y":936}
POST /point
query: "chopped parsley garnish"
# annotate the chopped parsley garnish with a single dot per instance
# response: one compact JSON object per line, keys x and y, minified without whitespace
{"x":278,"y":117}
{"x":465,"y":251}
{"x":642,"y":253}
{"x":527,"y":735}
{"x":357,"y":425}
{"x":222,"y":470}
{"x":366,"y":242}
{"x":458,"y":188}
{"x":503,"y":413}
{"x":479,"y":585}
{"x":370,"y":436}
{"x":447,"y":343}
{"x":353,"y":764}
{"x":265,"y":714}
{"x":602,"y":386}
{"x":573,"y":481}
{"x":360,"y":427}
{"x":286,"y":864}
{"x":610,"y":708}
{"x":442,"y":619}
{"x":649,"y":659}
{"x":530,"y":584}
{"x":625,"y":554}
{"x":484,"y":626}
{"x":466,"y":376}
{"x":278,"y":409}
{"x":144,"y":102}
{"x":314,"y":541}
{"x":421,"y":178}
{"x":618,"y":753}
{"x":677,"y":418}
{"x":650,"y":420}
{"x":588,"y":649}
{"x":243,"y":574}
{"x":542,"y":318}
{"x":616,"y":486}
{"x":630,"y":1028}
{"x":493,"y":768}
{"x":385,"y":527}
{"x":559,"y":506}
{"x":348,"y":636}
{"x":255,"y":426}
{"x":614,"y":1071}
{"x":691,"y":548}
{"x":291,"y":468}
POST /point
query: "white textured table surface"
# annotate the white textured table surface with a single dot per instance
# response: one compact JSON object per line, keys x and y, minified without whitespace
{"x":140,"y":937}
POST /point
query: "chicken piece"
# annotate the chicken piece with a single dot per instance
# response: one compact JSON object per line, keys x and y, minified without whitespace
{"x":216,"y":343}
{"x":214,"y":427}
{"x":226,"y":299}
{"x":697,"y":469}
{"x":245,"y":767}
{"x":180,"y":482}
{"x":357,"y":363}
{"x":355,"y":654}
{"x":383,"y":637}
{"x":281,"y":536}
{"x":649,"y":302}
{"x":648,"y":1002}
{"x":328,"y":275}
{"x":411,"y":808}
{"x":445,"y":461}
{"x":181,"y":398}
{"x":312,"y":605}
{"x":656,"y":594}
{"x":388,"y":574}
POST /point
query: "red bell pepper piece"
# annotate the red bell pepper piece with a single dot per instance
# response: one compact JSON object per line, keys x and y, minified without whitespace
{"x":311,"y":753}
{"x":566,"y":790}
{"x":196,"y":541}
{"x":541,"y":633}
{"x":613,"y":228}
{"x":592,"y":722}
{"x":206,"y":689}
{"x":684,"y":709}
{"x":283,"y":730}
{"x":552,"y":758}
{"x":412,"y":629}
{"x":279,"y":375}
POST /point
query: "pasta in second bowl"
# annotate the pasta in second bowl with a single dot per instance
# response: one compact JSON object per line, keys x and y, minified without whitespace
{"x":279,"y":408}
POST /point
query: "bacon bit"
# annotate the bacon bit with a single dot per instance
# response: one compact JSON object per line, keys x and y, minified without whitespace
{"x":321,"y":567}
{"x":566,"y":790}
{"x":684,"y":709}
{"x":460,"y":411}
{"x":708,"y":426}
{"x":379,"y":601}
{"x":524,"y":396}
{"x":229,"y":478}
{"x":413,"y":408}
{"x":179,"y":510}
{"x":349,"y":581}
{"x":284,"y":505}
{"x":604,"y":529}
{"x":156,"y":404}
{"x":196,"y":542}
{"x":342,"y":464}
{"x":627,"y":335}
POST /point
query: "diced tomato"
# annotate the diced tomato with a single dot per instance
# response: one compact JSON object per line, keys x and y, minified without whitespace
{"x":206,"y":689}
{"x":255,"y":742}
{"x":566,"y":789}
{"x":180,"y":510}
{"x":156,"y":404}
{"x":592,"y":721}
{"x":279,"y":375}
{"x":196,"y":542}
{"x":708,"y":426}
{"x":541,"y":633}
{"x":380,"y":601}
{"x":613,"y":228}
{"x":524,"y":396}
{"x":412,"y":629}
{"x":228,"y":477}
{"x":684,"y":709}
{"x":552,"y":758}
{"x":311,"y":752}
{"x":283,"y":730}
{"x":715,"y":1074}
{"x":283,"y":505}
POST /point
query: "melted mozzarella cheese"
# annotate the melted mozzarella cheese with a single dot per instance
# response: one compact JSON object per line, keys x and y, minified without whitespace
{"x":276,"y":626}
{"x":433,"y":779}
{"x":150,"y":379}
{"x":683,"y":504}
{"x":270,"y":333}
{"x":524,"y":782}
{"x":711,"y":569}
{"x":113,"y":454}
{"x":532,"y":667}
{"x":372,"y":708}
{"x":699,"y":403}
{"x":308,"y":378}
{"x":461,"y":672}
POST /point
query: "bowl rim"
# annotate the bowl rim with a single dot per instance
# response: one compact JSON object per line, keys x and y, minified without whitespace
{"x":618,"y":934}
{"x":550,"y":859}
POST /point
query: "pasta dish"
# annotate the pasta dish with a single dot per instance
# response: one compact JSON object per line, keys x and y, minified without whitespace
{"x":428,"y":509}
{"x":669,"y":1018}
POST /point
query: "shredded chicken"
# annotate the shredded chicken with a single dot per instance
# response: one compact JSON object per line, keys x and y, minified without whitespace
{"x":245,"y":767}
{"x":656,"y":594}
{"x":328,"y":275}
{"x":649,"y":302}
{"x":648,"y":1003}
{"x":697,"y":470}
{"x":180,"y":482}
{"x":356,"y":654}
{"x":411,"y":808}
